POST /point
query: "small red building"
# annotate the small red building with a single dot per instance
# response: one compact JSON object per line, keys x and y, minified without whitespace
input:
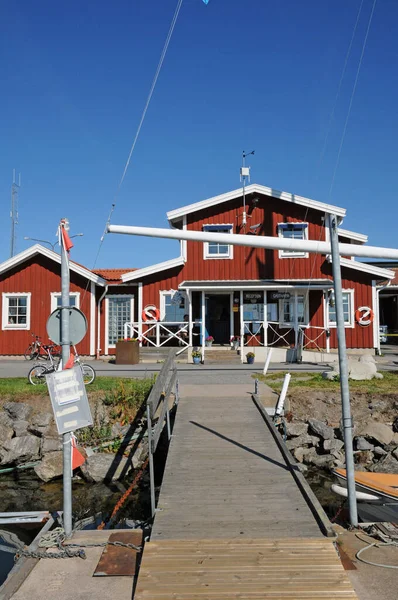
{"x":266,"y":298}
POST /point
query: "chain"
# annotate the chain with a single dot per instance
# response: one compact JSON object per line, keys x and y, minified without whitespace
{"x":57,"y":537}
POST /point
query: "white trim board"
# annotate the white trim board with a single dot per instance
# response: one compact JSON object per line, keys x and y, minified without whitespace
{"x":364,"y":267}
{"x":352,"y":235}
{"x":152,"y":269}
{"x":255,"y":188}
{"x":38,"y":249}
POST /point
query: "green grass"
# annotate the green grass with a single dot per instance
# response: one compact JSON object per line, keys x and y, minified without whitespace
{"x":314,"y":381}
{"x":19,"y":387}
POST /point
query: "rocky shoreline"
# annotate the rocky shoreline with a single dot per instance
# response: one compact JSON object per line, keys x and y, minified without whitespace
{"x":31,"y":438}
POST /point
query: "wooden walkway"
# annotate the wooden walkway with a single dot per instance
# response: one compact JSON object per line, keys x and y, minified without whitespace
{"x":225,"y":477}
{"x":231,"y":520}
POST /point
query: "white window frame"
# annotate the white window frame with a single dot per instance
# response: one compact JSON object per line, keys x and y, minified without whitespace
{"x":163,"y":294}
{"x":351,"y":323}
{"x":294,"y":299}
{"x":110,"y":297}
{"x":5,"y":306}
{"x":288,"y":253}
{"x":206,"y":253}
{"x":55,"y":295}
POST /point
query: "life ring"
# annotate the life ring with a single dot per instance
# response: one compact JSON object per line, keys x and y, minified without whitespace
{"x":364,"y":316}
{"x":151,"y":313}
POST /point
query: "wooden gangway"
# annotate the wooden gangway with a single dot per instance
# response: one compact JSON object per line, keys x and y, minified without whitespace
{"x":232,"y":519}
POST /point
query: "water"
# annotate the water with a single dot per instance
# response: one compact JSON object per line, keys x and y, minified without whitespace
{"x":320,"y":482}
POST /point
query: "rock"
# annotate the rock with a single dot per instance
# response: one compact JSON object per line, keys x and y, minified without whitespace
{"x":363,"y":444}
{"x":106,"y":467}
{"x":21,"y":428}
{"x":395,"y":438}
{"x":18,"y":410}
{"x":324,"y":460}
{"x":359,"y":369}
{"x":41,"y":423}
{"x":5,"y":419}
{"x":388,"y":464}
{"x":364,"y":457}
{"x":6,"y":433}
{"x":301,"y":468}
{"x":51,"y":466}
{"x":395,"y":453}
{"x":298,"y":454}
{"x":333,"y":445}
{"x":378,"y":431}
{"x":301,"y":440}
{"x":321,"y":429}
{"x":296,"y":429}
{"x":50,"y":444}
{"x":379,"y":451}
{"x":21,"y":449}
{"x":339,"y":456}
{"x":309,"y":454}
{"x":330,"y":375}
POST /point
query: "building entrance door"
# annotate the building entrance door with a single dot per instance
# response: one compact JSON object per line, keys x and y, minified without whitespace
{"x":218,"y":310}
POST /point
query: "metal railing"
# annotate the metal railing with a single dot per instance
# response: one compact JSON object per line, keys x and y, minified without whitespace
{"x":158,"y":410}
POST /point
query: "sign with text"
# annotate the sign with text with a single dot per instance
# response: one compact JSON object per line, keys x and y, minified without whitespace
{"x":279,"y":296}
{"x":69,"y":400}
{"x":253,"y":298}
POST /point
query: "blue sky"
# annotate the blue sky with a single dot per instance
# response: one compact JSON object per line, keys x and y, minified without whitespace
{"x":239,"y":74}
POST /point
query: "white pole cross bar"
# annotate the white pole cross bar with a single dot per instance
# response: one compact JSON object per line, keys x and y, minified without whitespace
{"x":253,"y":241}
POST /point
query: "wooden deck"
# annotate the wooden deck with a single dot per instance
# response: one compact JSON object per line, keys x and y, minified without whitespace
{"x":226,"y":478}
{"x":286,"y":569}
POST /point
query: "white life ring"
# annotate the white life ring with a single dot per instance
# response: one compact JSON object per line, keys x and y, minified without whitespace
{"x":151,"y":313}
{"x":364,"y":316}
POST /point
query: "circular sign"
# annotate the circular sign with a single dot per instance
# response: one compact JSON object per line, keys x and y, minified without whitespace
{"x":77,"y":325}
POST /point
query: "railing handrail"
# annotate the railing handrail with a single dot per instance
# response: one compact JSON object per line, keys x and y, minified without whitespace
{"x":158,"y":389}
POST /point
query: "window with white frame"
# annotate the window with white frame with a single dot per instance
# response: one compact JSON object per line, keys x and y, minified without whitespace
{"x":287,"y":311}
{"x":56,"y":300}
{"x":174,"y":306}
{"x":348,"y":309}
{"x":217,"y":249}
{"x":293,"y":231}
{"x":16,"y":311}
{"x":120,"y":311}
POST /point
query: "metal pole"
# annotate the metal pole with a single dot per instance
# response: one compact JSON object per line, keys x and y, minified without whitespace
{"x":281,"y":400}
{"x":265,"y":370}
{"x":65,"y":346}
{"x":345,"y":392}
{"x":150,"y":456}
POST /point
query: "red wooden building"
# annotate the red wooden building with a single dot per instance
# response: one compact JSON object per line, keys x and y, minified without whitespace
{"x":266,"y":298}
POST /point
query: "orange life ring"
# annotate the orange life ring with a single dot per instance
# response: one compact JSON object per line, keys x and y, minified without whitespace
{"x":151,"y":313}
{"x":364,"y":316}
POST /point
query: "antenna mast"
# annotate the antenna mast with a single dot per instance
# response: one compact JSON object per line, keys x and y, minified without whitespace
{"x":245,"y":175}
{"x":14,"y":211}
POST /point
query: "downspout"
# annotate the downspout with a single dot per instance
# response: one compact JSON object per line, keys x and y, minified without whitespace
{"x":378,"y":290}
{"x":99,"y":322}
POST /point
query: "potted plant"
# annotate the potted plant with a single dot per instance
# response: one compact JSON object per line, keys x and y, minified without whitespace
{"x":209,"y":340}
{"x":250,"y":358}
{"x":127,"y":351}
{"x":196,"y":357}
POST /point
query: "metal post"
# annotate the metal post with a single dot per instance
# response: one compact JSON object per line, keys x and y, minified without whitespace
{"x":256,"y":387}
{"x":65,"y":346}
{"x":345,"y":392}
{"x":266,"y":366}
{"x":150,"y":456}
{"x":281,"y":400}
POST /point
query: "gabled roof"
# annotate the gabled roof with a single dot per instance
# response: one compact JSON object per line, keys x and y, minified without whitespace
{"x":38,"y":249}
{"x":352,"y":235}
{"x":112,"y":275}
{"x":364,"y":267}
{"x":163,"y":266}
{"x":255,"y":188}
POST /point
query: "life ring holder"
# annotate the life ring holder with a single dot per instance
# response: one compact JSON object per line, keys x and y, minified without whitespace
{"x":364,"y":316}
{"x":150,"y":313}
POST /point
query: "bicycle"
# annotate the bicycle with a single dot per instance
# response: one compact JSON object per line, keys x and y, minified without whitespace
{"x":35,"y":348}
{"x":37,"y":374}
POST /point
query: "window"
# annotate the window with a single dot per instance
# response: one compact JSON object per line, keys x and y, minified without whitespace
{"x":287,"y":310}
{"x":120,"y":311}
{"x":216,"y":249}
{"x":347,"y":309}
{"x":16,"y":311}
{"x":174,"y":306}
{"x":293,"y":231}
{"x":74,"y":300}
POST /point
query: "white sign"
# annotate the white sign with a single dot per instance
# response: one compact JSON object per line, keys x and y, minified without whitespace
{"x":69,"y":399}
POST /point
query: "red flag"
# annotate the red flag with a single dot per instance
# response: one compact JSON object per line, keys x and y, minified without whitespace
{"x":66,"y":239}
{"x":77,"y":457}
{"x":70,"y":362}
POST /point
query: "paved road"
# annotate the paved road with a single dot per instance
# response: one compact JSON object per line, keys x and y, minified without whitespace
{"x":20,"y":368}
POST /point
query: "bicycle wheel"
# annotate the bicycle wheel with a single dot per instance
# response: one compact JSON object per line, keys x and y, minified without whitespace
{"x":37,"y":375}
{"x":31,"y":352}
{"x":88,"y":374}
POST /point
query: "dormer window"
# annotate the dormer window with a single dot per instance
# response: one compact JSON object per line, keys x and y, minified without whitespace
{"x":293,"y":231}
{"x":217,"y":249}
